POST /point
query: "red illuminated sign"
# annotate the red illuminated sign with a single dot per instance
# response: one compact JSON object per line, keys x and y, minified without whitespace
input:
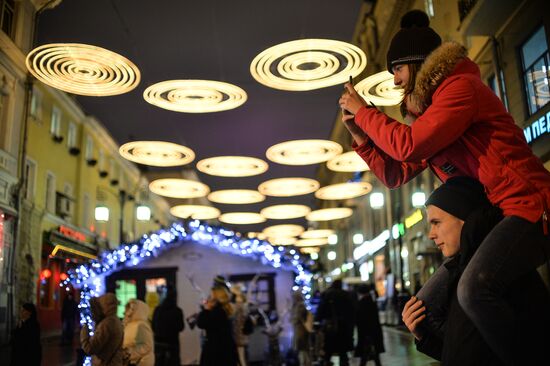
{"x":73,"y":234}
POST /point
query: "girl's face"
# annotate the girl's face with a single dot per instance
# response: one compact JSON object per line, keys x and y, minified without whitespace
{"x":401,"y":75}
{"x":24,"y":314}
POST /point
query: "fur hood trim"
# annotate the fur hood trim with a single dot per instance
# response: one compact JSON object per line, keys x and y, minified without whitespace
{"x":437,"y":67}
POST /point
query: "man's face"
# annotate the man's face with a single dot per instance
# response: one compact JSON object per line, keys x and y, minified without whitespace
{"x":444,"y":230}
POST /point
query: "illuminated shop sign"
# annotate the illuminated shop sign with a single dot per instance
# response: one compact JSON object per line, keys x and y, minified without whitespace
{"x":70,"y":233}
{"x":414,"y":219}
{"x":371,"y":247}
{"x":538,"y":128}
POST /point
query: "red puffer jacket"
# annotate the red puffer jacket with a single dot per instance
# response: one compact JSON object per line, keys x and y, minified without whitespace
{"x":463,"y":129}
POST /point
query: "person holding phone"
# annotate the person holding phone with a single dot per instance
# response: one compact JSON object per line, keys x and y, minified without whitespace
{"x":461,"y":128}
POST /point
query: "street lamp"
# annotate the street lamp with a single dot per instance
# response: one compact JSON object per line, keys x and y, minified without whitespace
{"x":143,"y":213}
{"x":331,"y":255}
{"x":101,"y":213}
{"x":358,"y":239}
{"x":333,"y":239}
{"x":418,"y":199}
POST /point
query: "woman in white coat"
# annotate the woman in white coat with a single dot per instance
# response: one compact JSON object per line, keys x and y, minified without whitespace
{"x":139,"y":345}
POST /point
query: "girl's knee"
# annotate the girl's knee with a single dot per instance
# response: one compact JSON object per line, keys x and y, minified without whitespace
{"x":471,"y":289}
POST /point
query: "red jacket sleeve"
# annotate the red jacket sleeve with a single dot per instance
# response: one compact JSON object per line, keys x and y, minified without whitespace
{"x":391,"y":172}
{"x":450,"y":114}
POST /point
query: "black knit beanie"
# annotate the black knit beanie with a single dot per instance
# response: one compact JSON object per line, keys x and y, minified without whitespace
{"x":414,"y":41}
{"x":459,"y":196}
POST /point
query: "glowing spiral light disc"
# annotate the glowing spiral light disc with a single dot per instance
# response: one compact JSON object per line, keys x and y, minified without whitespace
{"x":241,"y":218}
{"x":286,"y":187}
{"x":282,"y":240}
{"x":195,"y":96}
{"x":327,"y":214}
{"x":286,"y":230}
{"x":379,"y":89}
{"x":347,"y":162}
{"x":157,"y":153}
{"x":232,"y":166}
{"x":282,"y":212}
{"x":197,"y":212}
{"x":236,"y":196}
{"x":83,"y":69}
{"x":303,"y":152}
{"x":315,"y":234}
{"x":178,"y":188}
{"x":308,"y":64}
{"x":343,"y":191}
{"x":311,"y":242}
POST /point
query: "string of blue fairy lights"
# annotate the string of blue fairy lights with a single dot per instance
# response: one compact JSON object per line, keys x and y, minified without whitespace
{"x":88,"y":277}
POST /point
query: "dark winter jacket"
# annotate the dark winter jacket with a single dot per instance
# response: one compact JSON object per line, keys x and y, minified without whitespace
{"x":336,"y":312}
{"x":26,"y":348}
{"x":168,"y":322}
{"x":218,"y":348}
{"x":463,"y":129}
{"x":369,"y":331}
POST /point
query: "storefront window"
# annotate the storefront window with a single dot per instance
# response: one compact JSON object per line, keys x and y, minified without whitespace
{"x":155,"y":292}
{"x":125,"y":291}
{"x":536,"y":62}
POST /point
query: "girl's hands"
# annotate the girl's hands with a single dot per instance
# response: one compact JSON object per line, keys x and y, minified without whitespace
{"x":351,"y":101}
{"x":413,"y":314}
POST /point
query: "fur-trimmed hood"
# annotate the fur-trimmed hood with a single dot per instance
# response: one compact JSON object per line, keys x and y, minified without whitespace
{"x":435,"y":69}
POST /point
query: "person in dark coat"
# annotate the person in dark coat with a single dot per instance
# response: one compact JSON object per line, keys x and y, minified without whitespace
{"x":69,"y":313}
{"x":167,"y":325}
{"x":26,"y":348}
{"x":370,"y":340}
{"x":337,"y":314}
{"x":460,"y":217}
{"x":219,"y":347}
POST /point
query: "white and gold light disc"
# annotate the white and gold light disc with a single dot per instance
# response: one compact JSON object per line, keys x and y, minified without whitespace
{"x":178,"y":188}
{"x":197,"y":212}
{"x":195,"y":96}
{"x":309,"y":250}
{"x":327,"y":214}
{"x":232,"y":166}
{"x":316,"y":234}
{"x":303,"y":152}
{"x":257,"y":235}
{"x":156,"y":153}
{"x":241,"y":218}
{"x":287,"y":187}
{"x":379,"y":90}
{"x":83,"y":69}
{"x":343,"y":191}
{"x":348,"y":162}
{"x":236,"y":196}
{"x":282,"y":240}
{"x":282,"y":212}
{"x":285,"y":230}
{"x":311,"y":242}
{"x":308,"y":64}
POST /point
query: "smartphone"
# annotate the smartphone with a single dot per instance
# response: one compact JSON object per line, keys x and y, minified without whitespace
{"x":345,"y":91}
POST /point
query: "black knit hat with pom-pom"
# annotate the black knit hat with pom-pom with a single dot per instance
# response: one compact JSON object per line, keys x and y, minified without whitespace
{"x":414,"y":41}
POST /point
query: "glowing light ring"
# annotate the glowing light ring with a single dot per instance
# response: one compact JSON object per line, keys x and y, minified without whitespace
{"x":241,"y":218}
{"x":282,"y":240}
{"x":327,"y":214}
{"x":380,"y":89}
{"x":232,"y":166}
{"x":307,"y":64}
{"x":286,"y":187}
{"x":309,"y":250}
{"x":236,"y":196}
{"x":83,"y":69}
{"x":348,"y":162}
{"x":303,"y":152}
{"x":157,"y":153}
{"x":286,"y":230}
{"x":343,"y":191}
{"x":313,"y":242}
{"x":316,"y":234}
{"x":195,"y":96}
{"x":178,"y":188}
{"x":196,"y":212}
{"x":282,"y":212}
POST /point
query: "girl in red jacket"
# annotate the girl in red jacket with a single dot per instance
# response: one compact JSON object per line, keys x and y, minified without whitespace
{"x":461,"y":129}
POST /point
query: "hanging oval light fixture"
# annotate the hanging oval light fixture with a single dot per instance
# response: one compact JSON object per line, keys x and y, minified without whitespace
{"x":315,"y":234}
{"x":347,"y":162}
{"x":232,"y":166}
{"x":285,"y":212}
{"x":343,"y":191}
{"x":156,"y":153}
{"x":303,"y":152}
{"x":287,"y":187}
{"x":178,"y":188}
{"x":196,"y":212}
{"x":380,"y":90}
{"x":236,"y":196}
{"x":241,"y":218}
{"x":327,"y":214}
{"x":314,"y":242}
{"x":285,"y":230}
{"x":83,"y":69}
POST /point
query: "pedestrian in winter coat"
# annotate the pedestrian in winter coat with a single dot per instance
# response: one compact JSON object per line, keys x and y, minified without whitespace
{"x":167,"y":325}
{"x":138,"y":344}
{"x":69,"y":315}
{"x":299,"y":318}
{"x":370,"y":340}
{"x":461,"y":129}
{"x":105,"y":346}
{"x":26,"y":349}
{"x":215,"y":318}
{"x":460,"y":217}
{"x":337,"y":314}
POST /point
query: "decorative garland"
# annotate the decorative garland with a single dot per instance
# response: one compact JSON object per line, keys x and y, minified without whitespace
{"x":88,"y":277}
